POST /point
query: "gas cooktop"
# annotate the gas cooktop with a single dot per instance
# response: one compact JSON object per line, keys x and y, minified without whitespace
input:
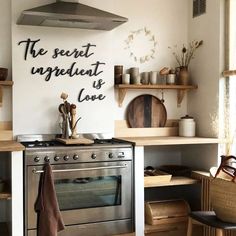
{"x":45,"y":141}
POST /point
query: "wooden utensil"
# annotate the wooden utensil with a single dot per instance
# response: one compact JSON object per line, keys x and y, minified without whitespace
{"x":146,"y":111}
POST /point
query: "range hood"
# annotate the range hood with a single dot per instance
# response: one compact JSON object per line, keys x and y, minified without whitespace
{"x":70,"y":15}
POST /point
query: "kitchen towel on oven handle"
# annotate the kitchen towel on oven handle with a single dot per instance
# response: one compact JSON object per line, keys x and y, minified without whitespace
{"x":49,"y":217}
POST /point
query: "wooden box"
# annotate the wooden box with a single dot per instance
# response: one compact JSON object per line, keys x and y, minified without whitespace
{"x":159,"y":177}
{"x":165,"y":212}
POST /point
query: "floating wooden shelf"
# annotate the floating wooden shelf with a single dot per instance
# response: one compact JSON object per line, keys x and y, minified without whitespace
{"x":175,"y":180}
{"x":181,"y":90}
{"x":4,"y":83}
{"x":5,"y":196}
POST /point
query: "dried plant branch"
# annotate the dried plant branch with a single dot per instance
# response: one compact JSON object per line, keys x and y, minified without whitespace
{"x":187,"y":53}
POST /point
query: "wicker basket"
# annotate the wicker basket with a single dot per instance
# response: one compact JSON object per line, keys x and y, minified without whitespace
{"x":223,"y":199}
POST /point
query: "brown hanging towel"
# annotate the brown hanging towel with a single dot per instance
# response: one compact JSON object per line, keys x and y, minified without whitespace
{"x":49,"y":217}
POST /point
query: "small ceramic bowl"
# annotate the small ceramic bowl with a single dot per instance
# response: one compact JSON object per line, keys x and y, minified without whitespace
{"x":3,"y":73}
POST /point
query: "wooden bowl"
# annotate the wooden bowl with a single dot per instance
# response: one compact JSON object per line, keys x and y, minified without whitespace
{"x":3,"y":73}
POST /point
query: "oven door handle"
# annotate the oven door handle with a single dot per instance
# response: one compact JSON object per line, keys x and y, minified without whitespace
{"x":35,"y":171}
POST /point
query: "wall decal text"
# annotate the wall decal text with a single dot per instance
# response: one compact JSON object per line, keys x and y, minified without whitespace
{"x":32,"y":50}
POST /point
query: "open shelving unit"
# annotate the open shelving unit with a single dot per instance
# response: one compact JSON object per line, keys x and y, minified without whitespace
{"x":4,"y":83}
{"x":181,"y":90}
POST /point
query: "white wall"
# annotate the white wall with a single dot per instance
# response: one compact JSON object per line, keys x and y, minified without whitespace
{"x":206,"y":69}
{"x":36,"y":101}
{"x":207,"y":66}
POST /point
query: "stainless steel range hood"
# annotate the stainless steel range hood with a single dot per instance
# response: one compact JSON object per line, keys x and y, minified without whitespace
{"x":70,"y":15}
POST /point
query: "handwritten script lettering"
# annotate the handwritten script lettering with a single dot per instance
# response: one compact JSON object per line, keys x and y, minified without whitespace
{"x":33,"y":50}
{"x":75,"y":53}
{"x":71,"y":71}
{"x":30,"y":48}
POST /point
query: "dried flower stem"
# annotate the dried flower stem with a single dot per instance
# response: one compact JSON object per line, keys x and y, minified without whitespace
{"x":187,"y":54}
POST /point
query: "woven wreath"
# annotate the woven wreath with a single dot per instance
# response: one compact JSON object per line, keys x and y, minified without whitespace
{"x":150,"y":39}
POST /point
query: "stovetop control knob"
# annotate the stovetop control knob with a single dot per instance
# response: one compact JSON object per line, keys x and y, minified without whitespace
{"x":66,"y":158}
{"x":56,"y":158}
{"x":36,"y":159}
{"x":94,"y":156}
{"x":110,"y":155}
{"x":75,"y":157}
{"x":46,"y":159}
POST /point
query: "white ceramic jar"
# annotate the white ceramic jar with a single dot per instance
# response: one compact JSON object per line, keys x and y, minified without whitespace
{"x":187,"y":126}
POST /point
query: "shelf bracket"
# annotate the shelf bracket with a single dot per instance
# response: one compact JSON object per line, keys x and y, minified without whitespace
{"x":180,"y":96}
{"x":121,"y":96}
{"x":1,"y":95}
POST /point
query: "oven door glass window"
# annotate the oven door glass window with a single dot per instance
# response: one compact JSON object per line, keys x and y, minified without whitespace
{"x":88,"y":192}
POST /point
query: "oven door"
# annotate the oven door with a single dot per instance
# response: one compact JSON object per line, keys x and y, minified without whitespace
{"x":87,"y":192}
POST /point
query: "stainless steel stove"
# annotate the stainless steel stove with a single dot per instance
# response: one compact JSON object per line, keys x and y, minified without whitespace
{"x":94,"y":184}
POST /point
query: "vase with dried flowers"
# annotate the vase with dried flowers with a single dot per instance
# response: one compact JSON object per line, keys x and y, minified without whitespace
{"x":184,"y":58}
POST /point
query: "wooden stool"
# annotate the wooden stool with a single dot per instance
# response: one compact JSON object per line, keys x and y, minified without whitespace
{"x":209,"y":218}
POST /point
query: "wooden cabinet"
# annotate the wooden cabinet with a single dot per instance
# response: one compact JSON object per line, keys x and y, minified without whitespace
{"x":153,"y":145}
{"x":179,"y":186}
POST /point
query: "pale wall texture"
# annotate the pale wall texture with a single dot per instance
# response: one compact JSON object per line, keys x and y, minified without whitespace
{"x":36,"y":101}
{"x":206,"y":69}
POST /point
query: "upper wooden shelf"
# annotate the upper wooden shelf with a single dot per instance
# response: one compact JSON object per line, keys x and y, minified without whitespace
{"x":181,"y":90}
{"x":4,"y":83}
{"x":11,"y":146}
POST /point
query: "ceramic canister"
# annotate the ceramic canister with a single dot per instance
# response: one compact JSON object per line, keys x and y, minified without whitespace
{"x":170,"y":79}
{"x":153,"y":77}
{"x":126,"y":79}
{"x":134,"y":72}
{"x":187,"y":126}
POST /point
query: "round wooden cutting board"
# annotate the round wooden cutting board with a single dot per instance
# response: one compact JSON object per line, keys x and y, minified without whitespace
{"x":146,"y":111}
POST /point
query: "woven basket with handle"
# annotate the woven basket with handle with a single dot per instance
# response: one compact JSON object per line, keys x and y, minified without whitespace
{"x":223,"y":191}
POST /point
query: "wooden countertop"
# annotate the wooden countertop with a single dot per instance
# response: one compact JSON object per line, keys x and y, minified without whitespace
{"x":11,"y":146}
{"x":176,"y":140}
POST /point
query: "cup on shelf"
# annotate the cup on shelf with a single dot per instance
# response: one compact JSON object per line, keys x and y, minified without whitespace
{"x":145,"y":78}
{"x":171,"y":79}
{"x":162,"y":79}
{"x":137,"y":79}
{"x":126,"y":79}
{"x":153,"y":77}
{"x":134,"y":72}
